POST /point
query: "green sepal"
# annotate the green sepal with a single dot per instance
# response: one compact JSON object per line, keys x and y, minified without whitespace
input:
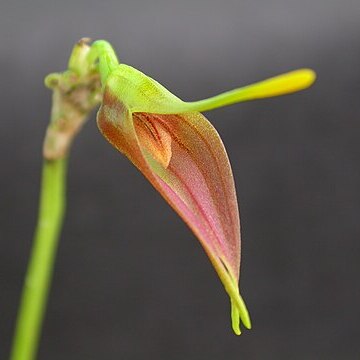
{"x":143,"y":94}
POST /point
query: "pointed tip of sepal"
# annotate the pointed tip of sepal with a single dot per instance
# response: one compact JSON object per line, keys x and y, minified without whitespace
{"x":301,"y":79}
{"x":283,"y":84}
{"x":235,"y":318}
{"x":239,"y":312}
{"x":309,"y":75}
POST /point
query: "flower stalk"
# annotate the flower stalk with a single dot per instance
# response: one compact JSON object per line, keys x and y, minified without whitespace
{"x":40,"y":268}
{"x":75,"y":94}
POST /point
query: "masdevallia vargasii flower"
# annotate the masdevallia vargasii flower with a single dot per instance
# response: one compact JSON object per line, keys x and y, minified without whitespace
{"x":182,"y":155}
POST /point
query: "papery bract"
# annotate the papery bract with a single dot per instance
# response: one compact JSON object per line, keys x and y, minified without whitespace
{"x":183,"y":157}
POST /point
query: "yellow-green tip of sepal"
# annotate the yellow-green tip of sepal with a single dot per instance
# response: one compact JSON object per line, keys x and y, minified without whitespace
{"x":280,"y":85}
{"x":239,"y":312}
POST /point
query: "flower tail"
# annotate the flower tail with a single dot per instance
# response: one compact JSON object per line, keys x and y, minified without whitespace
{"x":279,"y":85}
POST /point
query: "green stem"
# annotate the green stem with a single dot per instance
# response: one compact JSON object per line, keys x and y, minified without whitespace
{"x":40,"y":268}
{"x":76,"y":92}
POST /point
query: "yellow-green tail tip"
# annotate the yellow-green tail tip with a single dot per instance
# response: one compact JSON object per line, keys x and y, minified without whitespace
{"x":306,"y":77}
{"x":283,"y":84}
{"x":239,"y":313}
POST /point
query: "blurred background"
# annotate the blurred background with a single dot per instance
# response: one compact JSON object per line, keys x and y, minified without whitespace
{"x":131,"y":281}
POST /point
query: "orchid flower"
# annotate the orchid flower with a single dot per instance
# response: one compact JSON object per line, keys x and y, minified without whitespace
{"x":167,"y":139}
{"x":182,"y":155}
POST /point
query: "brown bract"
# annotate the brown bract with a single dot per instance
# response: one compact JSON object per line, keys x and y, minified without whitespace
{"x":74,"y":97}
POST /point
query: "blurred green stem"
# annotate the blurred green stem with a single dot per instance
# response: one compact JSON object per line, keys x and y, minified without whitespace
{"x":40,"y":268}
{"x":76,"y":92}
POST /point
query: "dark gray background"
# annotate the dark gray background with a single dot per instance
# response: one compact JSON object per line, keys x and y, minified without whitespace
{"x":131,"y":281}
